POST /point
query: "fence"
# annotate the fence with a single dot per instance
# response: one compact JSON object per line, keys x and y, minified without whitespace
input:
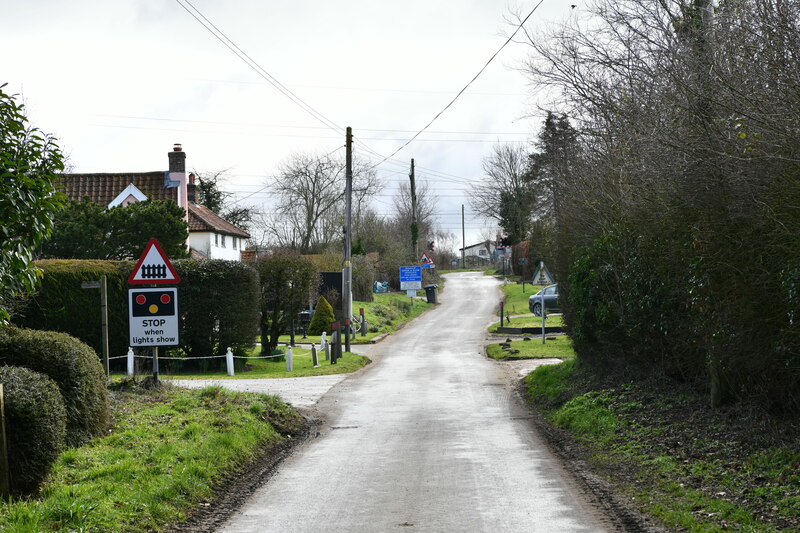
{"x":324,"y":345}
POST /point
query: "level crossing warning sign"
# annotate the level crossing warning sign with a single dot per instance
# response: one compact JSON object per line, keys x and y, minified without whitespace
{"x":153,"y":267}
{"x":153,"y":316}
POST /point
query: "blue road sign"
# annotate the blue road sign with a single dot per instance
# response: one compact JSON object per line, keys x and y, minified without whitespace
{"x":412,"y":273}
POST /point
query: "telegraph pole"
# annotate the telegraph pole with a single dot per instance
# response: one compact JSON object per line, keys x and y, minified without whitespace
{"x":347,"y":277}
{"x":414,"y":226}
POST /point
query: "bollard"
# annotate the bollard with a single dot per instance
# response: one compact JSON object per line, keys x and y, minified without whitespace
{"x":229,"y":361}
{"x":334,"y":346}
{"x":364,"y":327}
{"x":130,"y":361}
{"x":323,"y":341}
{"x":327,"y":352}
{"x":314,"y":356}
{"x":289,"y":362}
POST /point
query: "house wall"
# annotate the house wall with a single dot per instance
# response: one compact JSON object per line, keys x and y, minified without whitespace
{"x":210,"y":244}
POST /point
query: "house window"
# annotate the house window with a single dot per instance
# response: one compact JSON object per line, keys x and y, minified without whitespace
{"x":234,"y":243}
{"x":223,"y":241}
{"x":481,"y":252}
{"x":216,"y":239}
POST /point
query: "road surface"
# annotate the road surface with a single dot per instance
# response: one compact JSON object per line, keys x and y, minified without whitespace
{"x":430,"y":438}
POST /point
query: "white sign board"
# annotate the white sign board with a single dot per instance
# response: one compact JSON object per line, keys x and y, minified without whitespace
{"x":153,"y":315}
{"x":542,"y":276}
{"x":411,"y":294}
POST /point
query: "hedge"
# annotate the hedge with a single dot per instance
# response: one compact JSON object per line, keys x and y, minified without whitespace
{"x":74,"y":367}
{"x":218,"y":303}
{"x":35,"y":426}
{"x":61,"y":304}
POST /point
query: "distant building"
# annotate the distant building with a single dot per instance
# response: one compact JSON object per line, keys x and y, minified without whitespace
{"x":210,"y":236}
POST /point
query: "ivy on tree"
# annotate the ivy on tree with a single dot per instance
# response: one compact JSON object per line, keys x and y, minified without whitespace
{"x":29,"y":161}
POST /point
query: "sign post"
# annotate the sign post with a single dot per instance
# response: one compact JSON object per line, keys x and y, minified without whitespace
{"x":411,"y":280}
{"x":153,"y":312}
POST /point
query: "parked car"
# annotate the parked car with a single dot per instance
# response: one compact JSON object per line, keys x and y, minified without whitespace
{"x":550,"y":300}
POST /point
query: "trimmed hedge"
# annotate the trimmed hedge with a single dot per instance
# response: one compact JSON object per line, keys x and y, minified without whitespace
{"x":61,"y":304}
{"x":74,"y":367}
{"x":218,"y":305}
{"x":35,"y":426}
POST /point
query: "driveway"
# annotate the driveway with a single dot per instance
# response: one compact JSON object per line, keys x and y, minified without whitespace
{"x":431,"y":437}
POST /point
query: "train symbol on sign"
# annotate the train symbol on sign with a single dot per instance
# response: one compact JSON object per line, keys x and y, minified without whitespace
{"x":152,"y":303}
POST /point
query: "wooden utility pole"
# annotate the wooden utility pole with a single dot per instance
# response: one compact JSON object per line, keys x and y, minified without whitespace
{"x":463,"y":240}
{"x":414,"y":226}
{"x":104,"y":320}
{"x":347,"y":277}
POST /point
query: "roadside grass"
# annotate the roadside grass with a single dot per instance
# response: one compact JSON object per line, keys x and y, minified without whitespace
{"x":529,"y":321}
{"x":517,"y":297}
{"x":554,"y":347}
{"x":167,"y":450}
{"x":690,"y":467}
{"x":276,"y":368}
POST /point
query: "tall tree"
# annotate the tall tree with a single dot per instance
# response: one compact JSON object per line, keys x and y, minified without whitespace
{"x":508,"y":194}
{"x":29,"y":161}
{"x":210,"y":195}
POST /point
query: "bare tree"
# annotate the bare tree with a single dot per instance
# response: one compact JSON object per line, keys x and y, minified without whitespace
{"x":310,"y":190}
{"x":508,"y":195}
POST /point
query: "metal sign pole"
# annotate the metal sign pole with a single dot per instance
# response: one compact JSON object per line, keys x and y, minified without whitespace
{"x":104,"y":320}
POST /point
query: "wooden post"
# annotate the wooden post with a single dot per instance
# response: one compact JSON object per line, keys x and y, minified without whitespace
{"x":104,"y":320}
{"x":5,"y":489}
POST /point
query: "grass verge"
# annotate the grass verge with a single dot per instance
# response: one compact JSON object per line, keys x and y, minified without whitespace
{"x":517,"y":295}
{"x":276,"y":368}
{"x":529,"y":321}
{"x":672,"y":457}
{"x":554,"y":347}
{"x":167,"y":450}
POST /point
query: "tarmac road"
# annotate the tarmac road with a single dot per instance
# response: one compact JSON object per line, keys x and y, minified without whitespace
{"x":430,"y":438}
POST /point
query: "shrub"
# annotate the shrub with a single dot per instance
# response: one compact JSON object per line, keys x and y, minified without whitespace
{"x":74,"y":367}
{"x":219,"y":307}
{"x":35,"y":426}
{"x":62,"y":305}
{"x":323,"y":316}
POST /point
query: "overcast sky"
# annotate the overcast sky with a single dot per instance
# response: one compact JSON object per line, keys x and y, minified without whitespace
{"x":120,"y":81}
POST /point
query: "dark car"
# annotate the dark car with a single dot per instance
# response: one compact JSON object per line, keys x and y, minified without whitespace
{"x":550,"y":300}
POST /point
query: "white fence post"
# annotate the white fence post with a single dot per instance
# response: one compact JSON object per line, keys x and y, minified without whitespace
{"x":229,"y":361}
{"x":289,"y":362}
{"x":323,"y":341}
{"x":130,"y":361}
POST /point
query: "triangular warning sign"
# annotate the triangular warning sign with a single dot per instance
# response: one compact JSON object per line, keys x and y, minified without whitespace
{"x":542,"y":275}
{"x":153,"y":267}
{"x":425,"y":258}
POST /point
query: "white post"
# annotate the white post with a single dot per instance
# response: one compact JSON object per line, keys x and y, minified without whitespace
{"x":543,"y":315}
{"x":229,"y":361}
{"x":130,"y":361}
{"x":289,"y":362}
{"x":323,"y":340}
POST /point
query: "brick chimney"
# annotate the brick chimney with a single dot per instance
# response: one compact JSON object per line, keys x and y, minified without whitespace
{"x":191,"y":190}
{"x":177,"y":159}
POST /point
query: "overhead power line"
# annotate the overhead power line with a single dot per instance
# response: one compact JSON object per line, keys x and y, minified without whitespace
{"x":253,"y":64}
{"x":451,"y":102}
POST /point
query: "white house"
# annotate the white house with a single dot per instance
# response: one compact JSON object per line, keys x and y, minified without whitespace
{"x":210,"y":236}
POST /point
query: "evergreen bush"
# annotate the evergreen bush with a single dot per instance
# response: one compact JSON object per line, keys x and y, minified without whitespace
{"x":323,"y":317}
{"x":74,"y":367}
{"x":35,"y":426}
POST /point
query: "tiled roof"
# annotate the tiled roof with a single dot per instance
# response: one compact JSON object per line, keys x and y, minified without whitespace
{"x":103,"y":188}
{"x":204,"y":219}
